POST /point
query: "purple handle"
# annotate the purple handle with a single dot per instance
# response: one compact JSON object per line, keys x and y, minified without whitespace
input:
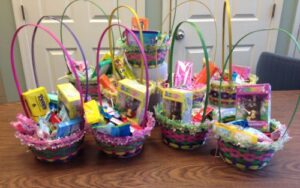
{"x":78,"y":45}
{"x":145,"y":65}
{"x":12,"y":61}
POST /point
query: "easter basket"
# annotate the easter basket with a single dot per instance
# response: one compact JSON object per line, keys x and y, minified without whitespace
{"x":28,"y":127}
{"x":156,"y":51}
{"x":248,"y":156}
{"x":252,"y":147}
{"x":182,"y":132}
{"x":129,"y":144}
{"x":227,"y":91}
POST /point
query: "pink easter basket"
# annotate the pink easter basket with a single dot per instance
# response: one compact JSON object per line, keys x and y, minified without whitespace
{"x":59,"y":150}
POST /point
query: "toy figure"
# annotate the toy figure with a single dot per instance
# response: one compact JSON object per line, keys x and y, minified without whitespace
{"x":132,"y":107}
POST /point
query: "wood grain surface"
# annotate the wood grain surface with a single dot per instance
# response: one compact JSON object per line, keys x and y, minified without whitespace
{"x":157,"y":166}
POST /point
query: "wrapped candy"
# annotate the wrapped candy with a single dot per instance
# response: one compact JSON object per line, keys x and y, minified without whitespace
{"x":240,"y":134}
{"x":183,"y":74}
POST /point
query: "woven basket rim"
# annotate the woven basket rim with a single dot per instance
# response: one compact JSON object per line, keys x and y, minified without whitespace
{"x":39,"y":144}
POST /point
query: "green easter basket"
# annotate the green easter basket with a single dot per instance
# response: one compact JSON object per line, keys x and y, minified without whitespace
{"x":175,"y":133}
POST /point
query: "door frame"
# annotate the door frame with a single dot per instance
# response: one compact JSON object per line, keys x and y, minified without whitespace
{"x":295,"y":31}
{"x":272,"y":39}
{"x":23,"y":44}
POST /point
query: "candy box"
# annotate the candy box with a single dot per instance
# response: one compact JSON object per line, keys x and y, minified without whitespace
{"x":70,"y":97}
{"x":91,"y":112}
{"x":37,"y":102}
{"x":177,"y":104}
{"x":131,"y":99}
{"x":253,"y":103}
{"x":67,"y":128}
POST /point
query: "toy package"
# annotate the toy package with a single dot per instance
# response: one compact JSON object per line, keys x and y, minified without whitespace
{"x":131,"y":99}
{"x":254,"y":105}
{"x":177,"y":104}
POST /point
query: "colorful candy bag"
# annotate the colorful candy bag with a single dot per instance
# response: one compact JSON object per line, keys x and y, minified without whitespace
{"x":183,"y":74}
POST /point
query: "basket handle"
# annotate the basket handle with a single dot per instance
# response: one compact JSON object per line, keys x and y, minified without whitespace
{"x":111,"y":45}
{"x":208,"y":9}
{"x":13,"y":67}
{"x":76,"y":40}
{"x":144,"y":61}
{"x":205,"y":56}
{"x":237,"y":43}
{"x":61,"y":32}
{"x":226,"y":9}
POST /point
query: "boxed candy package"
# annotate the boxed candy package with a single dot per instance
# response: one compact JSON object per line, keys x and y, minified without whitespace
{"x":37,"y":102}
{"x":253,"y":103}
{"x":70,"y":97}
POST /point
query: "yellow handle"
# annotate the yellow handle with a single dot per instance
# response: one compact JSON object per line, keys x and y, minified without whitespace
{"x":110,"y":36}
{"x":226,"y":9}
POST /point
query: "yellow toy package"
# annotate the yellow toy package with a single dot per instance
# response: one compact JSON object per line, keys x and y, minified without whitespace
{"x":70,"y":97}
{"x":177,"y":104}
{"x":92,"y":113}
{"x":37,"y":102}
{"x":132,"y":99}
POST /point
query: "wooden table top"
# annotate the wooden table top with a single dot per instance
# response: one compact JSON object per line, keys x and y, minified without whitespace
{"x":157,"y":166}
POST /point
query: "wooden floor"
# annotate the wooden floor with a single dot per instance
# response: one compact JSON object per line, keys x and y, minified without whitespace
{"x":157,"y":166}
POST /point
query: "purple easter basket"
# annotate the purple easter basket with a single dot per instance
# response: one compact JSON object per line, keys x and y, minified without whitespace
{"x":58,"y":150}
{"x":126,"y":146}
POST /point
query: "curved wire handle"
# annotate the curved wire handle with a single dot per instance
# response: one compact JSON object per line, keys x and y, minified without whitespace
{"x":208,"y":9}
{"x":111,"y":48}
{"x":144,"y":60}
{"x":13,"y":67}
{"x":226,"y":9}
{"x":237,"y":43}
{"x":205,"y":56}
{"x":76,"y":40}
{"x":65,"y":11}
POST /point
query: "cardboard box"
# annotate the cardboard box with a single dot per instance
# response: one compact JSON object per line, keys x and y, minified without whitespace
{"x":70,"y":98}
{"x":132,"y":99}
{"x":254,"y":105}
{"x":177,"y":104}
{"x":37,"y":102}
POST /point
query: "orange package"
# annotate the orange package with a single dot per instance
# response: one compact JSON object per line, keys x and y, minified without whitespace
{"x":106,"y":83}
{"x":201,"y":77}
{"x":143,"y":21}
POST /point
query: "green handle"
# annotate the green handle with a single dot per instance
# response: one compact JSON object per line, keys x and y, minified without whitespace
{"x":230,"y":54}
{"x":170,"y":81}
